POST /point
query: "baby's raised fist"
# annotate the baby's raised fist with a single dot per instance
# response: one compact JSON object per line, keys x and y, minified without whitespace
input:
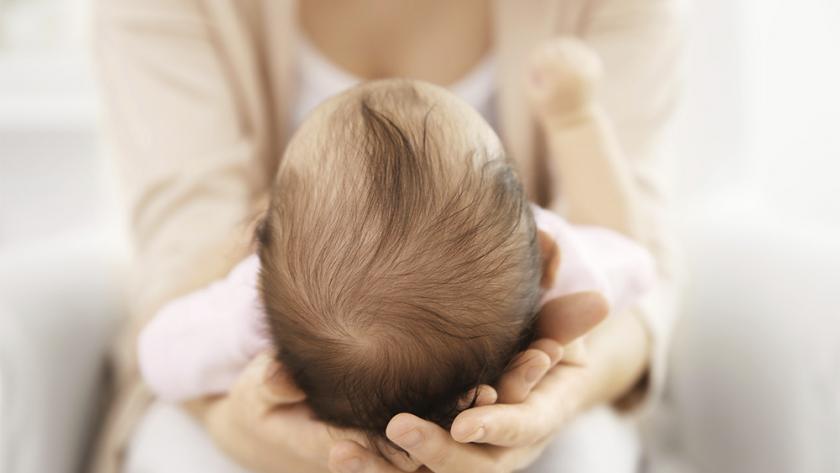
{"x":562,"y":79}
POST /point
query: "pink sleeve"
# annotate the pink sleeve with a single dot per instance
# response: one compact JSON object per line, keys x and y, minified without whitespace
{"x":597,"y":259}
{"x":198,"y":344}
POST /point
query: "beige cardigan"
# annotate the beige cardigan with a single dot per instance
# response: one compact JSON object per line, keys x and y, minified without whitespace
{"x":198,"y":93}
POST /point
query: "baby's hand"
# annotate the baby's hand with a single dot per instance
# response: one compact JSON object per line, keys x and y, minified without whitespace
{"x":563,"y":76}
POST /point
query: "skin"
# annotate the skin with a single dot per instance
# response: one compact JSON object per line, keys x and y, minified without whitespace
{"x":264,"y":423}
{"x":401,"y":38}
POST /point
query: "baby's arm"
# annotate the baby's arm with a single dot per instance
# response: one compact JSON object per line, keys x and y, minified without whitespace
{"x":596,"y":259}
{"x":198,"y":344}
{"x":583,"y":151}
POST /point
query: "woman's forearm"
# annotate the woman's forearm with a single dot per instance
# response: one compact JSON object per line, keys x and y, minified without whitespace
{"x":617,"y":358}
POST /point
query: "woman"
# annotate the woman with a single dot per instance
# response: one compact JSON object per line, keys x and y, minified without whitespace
{"x":201,"y":97}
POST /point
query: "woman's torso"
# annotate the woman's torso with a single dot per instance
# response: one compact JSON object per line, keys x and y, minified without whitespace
{"x":437,"y":41}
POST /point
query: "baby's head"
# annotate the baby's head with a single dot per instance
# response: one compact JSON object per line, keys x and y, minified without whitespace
{"x":400,"y":263}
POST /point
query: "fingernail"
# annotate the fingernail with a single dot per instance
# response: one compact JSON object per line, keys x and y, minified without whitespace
{"x":351,"y":465}
{"x":467,"y":399}
{"x":486,"y":396}
{"x":410,"y":439}
{"x":477,"y":435}
{"x":533,"y":374}
{"x":467,"y":433}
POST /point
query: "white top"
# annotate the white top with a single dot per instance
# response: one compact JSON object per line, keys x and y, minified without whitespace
{"x":320,"y":79}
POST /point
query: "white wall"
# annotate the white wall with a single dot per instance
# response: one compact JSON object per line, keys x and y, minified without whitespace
{"x":755,"y":380}
{"x":53,"y":180}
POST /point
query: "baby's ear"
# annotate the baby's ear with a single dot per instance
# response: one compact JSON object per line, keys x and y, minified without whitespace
{"x":550,"y":256}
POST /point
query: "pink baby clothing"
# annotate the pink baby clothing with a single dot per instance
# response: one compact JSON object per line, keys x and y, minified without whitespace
{"x":198,"y":344}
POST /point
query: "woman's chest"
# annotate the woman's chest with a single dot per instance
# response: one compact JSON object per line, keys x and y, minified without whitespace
{"x":438,"y":41}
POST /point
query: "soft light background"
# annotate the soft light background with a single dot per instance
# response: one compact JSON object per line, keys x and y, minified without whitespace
{"x":754,"y":160}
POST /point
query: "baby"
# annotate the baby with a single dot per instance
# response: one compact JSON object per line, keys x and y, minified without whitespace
{"x":399,"y":265}
{"x":399,"y":256}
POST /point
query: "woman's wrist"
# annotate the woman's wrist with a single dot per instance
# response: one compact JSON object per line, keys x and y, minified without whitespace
{"x":618,"y":354}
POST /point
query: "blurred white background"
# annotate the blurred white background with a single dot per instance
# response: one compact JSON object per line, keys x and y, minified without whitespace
{"x":754,"y":160}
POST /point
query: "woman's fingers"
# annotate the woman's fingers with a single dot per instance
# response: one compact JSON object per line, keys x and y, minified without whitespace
{"x":278,"y":385}
{"x":551,"y":348}
{"x":526,"y":369}
{"x":515,"y":425}
{"x":432,"y":446}
{"x":575,"y":353}
{"x":561,"y":321}
{"x":349,"y":457}
{"x":486,"y":395}
{"x":399,"y":458}
{"x":569,"y":317}
{"x":297,"y":422}
{"x":266,"y":384}
{"x":504,"y":425}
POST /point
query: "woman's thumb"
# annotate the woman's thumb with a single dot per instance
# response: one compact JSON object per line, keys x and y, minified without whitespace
{"x":270,"y":381}
{"x":569,"y":317}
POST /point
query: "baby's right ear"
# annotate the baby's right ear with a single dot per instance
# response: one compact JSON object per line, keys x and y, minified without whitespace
{"x":550,"y":258}
{"x":258,"y":221}
{"x":262,"y":231}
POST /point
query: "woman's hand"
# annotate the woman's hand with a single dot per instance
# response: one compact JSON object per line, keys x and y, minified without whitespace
{"x":537,"y":396}
{"x":264,"y":424}
{"x":513,"y":435}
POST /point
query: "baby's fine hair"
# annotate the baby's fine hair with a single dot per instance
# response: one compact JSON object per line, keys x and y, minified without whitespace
{"x":400,"y":264}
